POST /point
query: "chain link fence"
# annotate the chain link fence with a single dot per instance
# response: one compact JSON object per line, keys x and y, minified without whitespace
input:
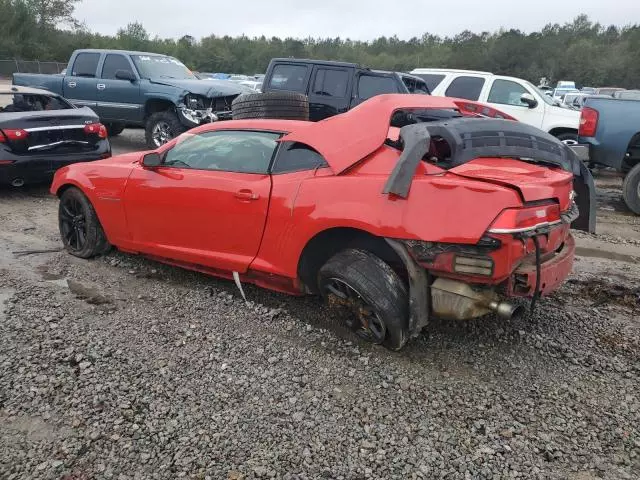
{"x":9,"y":67}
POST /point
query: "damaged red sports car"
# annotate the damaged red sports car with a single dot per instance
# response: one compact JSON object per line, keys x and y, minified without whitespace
{"x":404,"y":208}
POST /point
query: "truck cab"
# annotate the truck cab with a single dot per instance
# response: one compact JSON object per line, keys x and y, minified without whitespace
{"x":335,"y":87}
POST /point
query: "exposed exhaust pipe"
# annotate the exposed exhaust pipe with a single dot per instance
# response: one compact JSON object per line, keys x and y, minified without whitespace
{"x":17,"y":182}
{"x":506,"y":310}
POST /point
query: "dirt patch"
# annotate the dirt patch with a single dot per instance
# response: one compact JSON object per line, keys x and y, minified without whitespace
{"x":601,"y":292}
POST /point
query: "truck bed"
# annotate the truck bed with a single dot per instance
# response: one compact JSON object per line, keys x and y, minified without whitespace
{"x":53,"y":83}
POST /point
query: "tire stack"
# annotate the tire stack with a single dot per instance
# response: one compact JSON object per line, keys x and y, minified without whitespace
{"x":276,"y":105}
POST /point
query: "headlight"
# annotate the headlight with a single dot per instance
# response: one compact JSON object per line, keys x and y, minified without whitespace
{"x":194,"y":102}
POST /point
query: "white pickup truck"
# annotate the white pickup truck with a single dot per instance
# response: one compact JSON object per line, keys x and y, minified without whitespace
{"x":514,"y":96}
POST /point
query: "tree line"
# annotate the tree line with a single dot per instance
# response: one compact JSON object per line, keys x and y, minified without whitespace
{"x":582,"y":50}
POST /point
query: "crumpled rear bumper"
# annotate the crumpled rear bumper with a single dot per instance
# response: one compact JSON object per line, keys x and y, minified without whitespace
{"x":553,"y":272}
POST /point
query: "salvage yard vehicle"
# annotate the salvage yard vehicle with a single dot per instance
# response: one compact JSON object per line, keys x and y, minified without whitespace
{"x":395,"y":225}
{"x":139,"y":88}
{"x":41,"y":132}
{"x":330,"y":87}
{"x":515,"y":96}
{"x":610,"y":137}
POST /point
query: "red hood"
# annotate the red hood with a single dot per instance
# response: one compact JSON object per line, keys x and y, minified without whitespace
{"x":535,"y":182}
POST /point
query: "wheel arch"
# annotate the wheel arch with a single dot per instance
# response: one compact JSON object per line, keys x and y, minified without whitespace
{"x":328,"y":242}
{"x":556,"y":131}
{"x":156,"y":104}
{"x":632,"y":153}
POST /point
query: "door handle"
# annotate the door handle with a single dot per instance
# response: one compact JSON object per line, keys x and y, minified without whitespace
{"x":71,"y":84}
{"x":101,"y":86}
{"x":246,"y":195}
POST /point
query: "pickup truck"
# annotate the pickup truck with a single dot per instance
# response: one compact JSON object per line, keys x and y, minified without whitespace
{"x":609,"y":136}
{"x":335,"y":87}
{"x":140,"y":89}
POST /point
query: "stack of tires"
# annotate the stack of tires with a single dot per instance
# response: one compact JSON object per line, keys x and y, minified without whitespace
{"x":276,"y":105}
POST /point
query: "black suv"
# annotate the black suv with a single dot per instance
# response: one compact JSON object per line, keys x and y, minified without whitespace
{"x":335,"y":87}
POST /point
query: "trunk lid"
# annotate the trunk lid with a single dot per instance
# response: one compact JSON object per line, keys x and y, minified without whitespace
{"x":534,"y":182}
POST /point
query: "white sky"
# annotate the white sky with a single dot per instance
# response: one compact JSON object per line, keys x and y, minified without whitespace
{"x":356,"y":19}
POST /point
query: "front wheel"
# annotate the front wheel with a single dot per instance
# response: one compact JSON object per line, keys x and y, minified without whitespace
{"x":371,"y":295}
{"x":631,"y":189}
{"x":162,"y":127}
{"x":80,"y":229}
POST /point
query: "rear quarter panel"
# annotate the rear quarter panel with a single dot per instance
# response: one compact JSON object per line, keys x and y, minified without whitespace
{"x":618,"y":122}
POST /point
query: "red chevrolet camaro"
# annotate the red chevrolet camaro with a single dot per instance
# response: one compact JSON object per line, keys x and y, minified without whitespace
{"x":404,"y":208}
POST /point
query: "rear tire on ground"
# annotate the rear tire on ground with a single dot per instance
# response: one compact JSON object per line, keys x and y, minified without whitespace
{"x":378,"y":290}
{"x":162,"y":127}
{"x":80,"y":230}
{"x":568,"y":138}
{"x":115,"y":129}
{"x":631,"y":189}
{"x":277,"y":105}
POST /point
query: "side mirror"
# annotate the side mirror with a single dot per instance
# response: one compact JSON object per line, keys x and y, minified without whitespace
{"x":528,"y":99}
{"x":125,"y":75}
{"x":152,"y":160}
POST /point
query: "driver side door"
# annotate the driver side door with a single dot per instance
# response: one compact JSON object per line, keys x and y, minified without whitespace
{"x":207,"y":202}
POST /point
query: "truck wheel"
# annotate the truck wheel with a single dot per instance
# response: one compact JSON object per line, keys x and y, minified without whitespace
{"x":162,"y":127}
{"x":81,"y":232}
{"x":280,"y":105}
{"x":631,"y":189}
{"x":372,"y":296}
{"x":115,"y":129}
{"x":568,"y":138}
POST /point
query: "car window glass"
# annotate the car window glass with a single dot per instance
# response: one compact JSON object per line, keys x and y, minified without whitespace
{"x":331,"y":83}
{"x":468,"y":88}
{"x":227,"y":151}
{"x":289,"y":77}
{"x":506,"y":92}
{"x":431,"y":79}
{"x":112,"y":64}
{"x":370,"y":86}
{"x":86,"y":65}
{"x":293,"y":157}
{"x":415,"y":86}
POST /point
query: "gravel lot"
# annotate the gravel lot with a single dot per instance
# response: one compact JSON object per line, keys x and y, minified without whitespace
{"x":127,"y":369}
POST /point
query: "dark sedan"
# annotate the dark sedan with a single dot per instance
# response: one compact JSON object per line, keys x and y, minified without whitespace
{"x":41,"y":132}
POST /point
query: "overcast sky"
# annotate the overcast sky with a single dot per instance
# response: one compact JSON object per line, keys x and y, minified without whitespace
{"x":356,"y":19}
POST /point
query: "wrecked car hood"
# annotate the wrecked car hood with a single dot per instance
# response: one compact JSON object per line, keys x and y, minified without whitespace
{"x":207,"y":88}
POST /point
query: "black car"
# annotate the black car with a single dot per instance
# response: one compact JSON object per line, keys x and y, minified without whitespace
{"x":41,"y":132}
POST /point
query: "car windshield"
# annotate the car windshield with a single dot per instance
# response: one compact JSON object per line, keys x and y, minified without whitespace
{"x":159,"y":66}
{"x":23,"y":102}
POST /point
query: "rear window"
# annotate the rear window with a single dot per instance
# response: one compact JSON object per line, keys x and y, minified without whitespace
{"x":18,"y":102}
{"x":86,"y":65}
{"x":431,"y":79}
{"x":468,"y":88}
{"x":289,"y":77}
{"x":370,"y":86}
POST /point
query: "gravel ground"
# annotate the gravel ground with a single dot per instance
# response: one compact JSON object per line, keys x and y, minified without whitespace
{"x":123,"y":368}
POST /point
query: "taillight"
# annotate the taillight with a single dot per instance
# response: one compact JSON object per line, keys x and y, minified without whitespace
{"x":588,"y":122}
{"x":518,"y":220}
{"x":96,"y":129}
{"x":13,"y":135}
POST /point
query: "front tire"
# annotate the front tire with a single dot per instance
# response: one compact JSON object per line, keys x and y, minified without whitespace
{"x":631,"y":189}
{"x":374,"y":297}
{"x":161,"y":128}
{"x":80,"y":230}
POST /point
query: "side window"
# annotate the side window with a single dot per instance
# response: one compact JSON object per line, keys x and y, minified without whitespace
{"x":289,"y":77}
{"x":506,"y":92}
{"x":431,"y":79}
{"x":86,"y":65}
{"x":294,"y":157}
{"x":370,"y":86}
{"x":415,"y":86}
{"x":112,"y":64}
{"x":468,"y":88}
{"x":331,"y":83}
{"x":226,"y":151}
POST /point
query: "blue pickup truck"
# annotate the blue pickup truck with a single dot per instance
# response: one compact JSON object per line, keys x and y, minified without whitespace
{"x":609,"y":136}
{"x":141,"y":89}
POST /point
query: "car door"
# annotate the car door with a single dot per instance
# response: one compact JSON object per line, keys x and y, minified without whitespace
{"x":207,"y":202}
{"x":119,"y":99}
{"x":505,"y":95}
{"x":80,"y":84}
{"x":330,"y":91}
